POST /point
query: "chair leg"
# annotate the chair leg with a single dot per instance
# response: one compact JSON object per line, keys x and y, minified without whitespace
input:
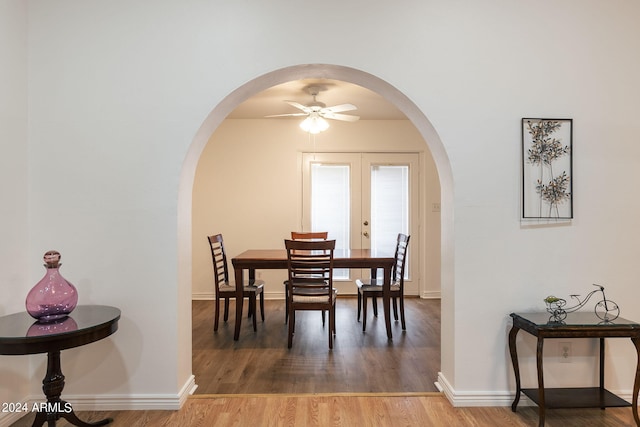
{"x":252,"y":310}
{"x":374,"y":302}
{"x":262,"y":305}
{"x":364,"y":312}
{"x":323,"y":318}
{"x":395,"y":307}
{"x":292,"y":322}
{"x":226,"y":309}
{"x":404,"y":326}
{"x":359,"y":303}
{"x":216,"y":314}
{"x":286,"y":304}
{"x":292,"y":316}
{"x":332,"y":324}
{"x":333,"y":314}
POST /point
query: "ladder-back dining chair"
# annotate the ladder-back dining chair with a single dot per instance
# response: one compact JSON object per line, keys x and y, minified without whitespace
{"x":302,"y":235}
{"x":310,"y":281}
{"x":373,"y":287}
{"x":226,"y":289}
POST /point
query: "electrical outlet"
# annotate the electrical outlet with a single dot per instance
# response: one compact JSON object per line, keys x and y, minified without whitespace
{"x":564,"y":350}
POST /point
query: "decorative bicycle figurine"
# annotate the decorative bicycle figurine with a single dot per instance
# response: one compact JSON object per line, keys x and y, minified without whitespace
{"x":605,"y":309}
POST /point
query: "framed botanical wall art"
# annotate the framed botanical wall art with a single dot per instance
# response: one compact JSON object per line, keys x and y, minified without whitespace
{"x":547,"y":176}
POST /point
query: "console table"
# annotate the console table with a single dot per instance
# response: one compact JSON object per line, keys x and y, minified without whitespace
{"x":21,"y":334}
{"x":576,"y":325}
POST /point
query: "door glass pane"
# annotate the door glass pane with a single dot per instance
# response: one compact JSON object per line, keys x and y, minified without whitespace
{"x":330,"y":205}
{"x":389,"y":206}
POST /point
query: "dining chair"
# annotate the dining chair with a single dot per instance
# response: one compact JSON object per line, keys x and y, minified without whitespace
{"x":226,"y":289}
{"x":309,"y":235}
{"x":373,"y":287}
{"x":310,"y":281}
{"x":302,"y":235}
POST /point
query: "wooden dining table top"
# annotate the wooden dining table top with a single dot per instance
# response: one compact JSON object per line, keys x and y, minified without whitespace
{"x":259,"y":259}
{"x":342,"y":258}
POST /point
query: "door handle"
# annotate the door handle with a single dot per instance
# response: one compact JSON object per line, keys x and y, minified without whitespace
{"x":366,"y":223}
{"x":365,"y":234}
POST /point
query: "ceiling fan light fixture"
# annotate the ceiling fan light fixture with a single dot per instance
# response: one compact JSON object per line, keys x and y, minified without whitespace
{"x":314,"y":124}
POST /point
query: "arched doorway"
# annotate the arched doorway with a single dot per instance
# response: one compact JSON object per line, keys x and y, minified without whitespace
{"x":259,"y":84}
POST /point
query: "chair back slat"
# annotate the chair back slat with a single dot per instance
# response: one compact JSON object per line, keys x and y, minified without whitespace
{"x":310,"y":281}
{"x":310,"y":266}
{"x":226,"y":290}
{"x":309,"y":235}
{"x":375,"y":287}
{"x":219,"y":257}
{"x":402,"y":247}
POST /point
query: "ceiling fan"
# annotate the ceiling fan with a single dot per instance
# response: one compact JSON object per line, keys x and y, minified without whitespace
{"x":317,"y":112}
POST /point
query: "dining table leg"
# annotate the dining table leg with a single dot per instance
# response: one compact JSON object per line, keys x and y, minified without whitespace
{"x":386,"y":299}
{"x":239,"y":302}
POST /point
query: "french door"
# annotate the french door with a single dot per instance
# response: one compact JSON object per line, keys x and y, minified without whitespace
{"x":363,"y":200}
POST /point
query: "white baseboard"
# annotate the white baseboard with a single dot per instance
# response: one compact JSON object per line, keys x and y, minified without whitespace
{"x":431,"y":295}
{"x":113,"y":402}
{"x":203,"y":296}
{"x":8,"y":418}
{"x":496,"y":398}
{"x":132,"y":401}
{"x":208,"y":296}
{"x":477,"y":398}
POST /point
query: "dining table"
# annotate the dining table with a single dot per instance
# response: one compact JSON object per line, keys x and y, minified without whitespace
{"x":276,"y":259}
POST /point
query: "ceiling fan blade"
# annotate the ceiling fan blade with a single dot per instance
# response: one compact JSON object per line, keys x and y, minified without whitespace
{"x":343,"y":117}
{"x":340,"y":108}
{"x":288,"y":115}
{"x":298,"y":106}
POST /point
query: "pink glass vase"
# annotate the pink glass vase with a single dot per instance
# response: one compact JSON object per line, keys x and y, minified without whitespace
{"x":52,"y":298}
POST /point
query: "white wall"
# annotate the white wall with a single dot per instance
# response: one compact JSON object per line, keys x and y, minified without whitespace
{"x":14,"y":279}
{"x":559,"y":59}
{"x":249,"y":175}
{"x":119,"y":89}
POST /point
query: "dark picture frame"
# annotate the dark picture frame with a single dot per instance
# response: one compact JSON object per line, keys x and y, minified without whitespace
{"x":547,"y":168}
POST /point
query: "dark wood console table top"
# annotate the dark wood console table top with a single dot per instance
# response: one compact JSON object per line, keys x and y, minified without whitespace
{"x":576,"y":325}
{"x":21,"y":334}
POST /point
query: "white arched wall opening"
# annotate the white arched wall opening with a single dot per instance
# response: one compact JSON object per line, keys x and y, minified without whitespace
{"x":298,"y":72}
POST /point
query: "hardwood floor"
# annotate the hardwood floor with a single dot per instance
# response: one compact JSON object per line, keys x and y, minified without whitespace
{"x":258,"y":381}
{"x":317,"y":410}
{"x":260,"y":362}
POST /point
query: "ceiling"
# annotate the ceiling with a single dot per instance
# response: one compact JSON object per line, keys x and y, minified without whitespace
{"x":371,"y":106}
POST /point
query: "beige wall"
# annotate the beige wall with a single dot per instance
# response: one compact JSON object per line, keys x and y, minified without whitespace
{"x":14,"y":281}
{"x":248,"y":188}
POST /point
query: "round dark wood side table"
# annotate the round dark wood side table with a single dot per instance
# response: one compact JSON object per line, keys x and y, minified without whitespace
{"x":21,"y":334}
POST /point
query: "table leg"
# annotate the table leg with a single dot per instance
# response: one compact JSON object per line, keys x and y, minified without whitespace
{"x":601,"y":373}
{"x":514,"y":361}
{"x":386,"y":299}
{"x":239,"y":301}
{"x":636,"y":382}
{"x":541,"y":403}
{"x":55,"y":408}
